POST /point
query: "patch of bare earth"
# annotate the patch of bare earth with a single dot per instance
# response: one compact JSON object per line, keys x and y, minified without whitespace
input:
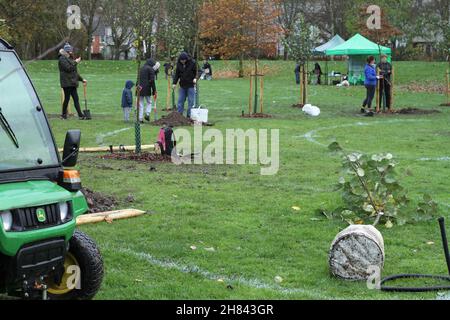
{"x":99,"y":202}
{"x":144,"y":157}
{"x":257,"y":116}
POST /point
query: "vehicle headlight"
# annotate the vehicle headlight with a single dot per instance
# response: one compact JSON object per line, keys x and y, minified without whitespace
{"x":7,"y":220}
{"x":63,"y":210}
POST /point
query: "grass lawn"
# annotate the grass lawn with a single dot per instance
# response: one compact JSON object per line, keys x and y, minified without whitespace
{"x":247,"y":218}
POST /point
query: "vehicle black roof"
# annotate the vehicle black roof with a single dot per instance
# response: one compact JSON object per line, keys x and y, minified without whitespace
{"x":4,"y":45}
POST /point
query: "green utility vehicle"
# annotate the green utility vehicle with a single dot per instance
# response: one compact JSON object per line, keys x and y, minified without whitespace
{"x":42,"y":255}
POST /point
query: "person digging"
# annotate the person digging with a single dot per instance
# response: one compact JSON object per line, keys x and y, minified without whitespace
{"x":69,"y":80}
{"x":148,"y":89}
{"x":186,"y":75}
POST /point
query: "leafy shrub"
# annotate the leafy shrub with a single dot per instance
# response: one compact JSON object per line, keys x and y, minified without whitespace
{"x":372,"y":193}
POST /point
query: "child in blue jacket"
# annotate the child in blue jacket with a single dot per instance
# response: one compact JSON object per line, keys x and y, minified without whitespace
{"x":127,"y":100}
{"x":370,"y":83}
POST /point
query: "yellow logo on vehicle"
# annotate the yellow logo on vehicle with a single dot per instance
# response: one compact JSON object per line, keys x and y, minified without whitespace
{"x":41,"y":215}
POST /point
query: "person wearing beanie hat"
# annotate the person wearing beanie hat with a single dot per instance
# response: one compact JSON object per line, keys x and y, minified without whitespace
{"x":186,"y":75}
{"x":68,"y":48}
{"x":69,"y":79}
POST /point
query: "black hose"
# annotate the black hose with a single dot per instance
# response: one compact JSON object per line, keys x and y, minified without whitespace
{"x":445,"y":242}
{"x":415,"y":289}
{"x":423,"y":276}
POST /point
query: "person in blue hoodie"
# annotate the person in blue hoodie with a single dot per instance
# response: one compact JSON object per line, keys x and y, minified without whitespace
{"x":370,"y":83}
{"x":127,"y":100}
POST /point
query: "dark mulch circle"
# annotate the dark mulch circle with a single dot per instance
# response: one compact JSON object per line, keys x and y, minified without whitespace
{"x":403,"y":112}
{"x":257,"y":116}
{"x":413,"y":111}
{"x":445,"y":105}
{"x":298,"y":106}
{"x":173,"y":119}
{"x":99,"y":202}
{"x":144,"y":157}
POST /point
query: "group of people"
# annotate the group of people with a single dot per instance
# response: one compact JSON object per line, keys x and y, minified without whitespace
{"x":186,"y":74}
{"x":372,"y":79}
{"x":183,"y":73}
{"x":317,"y":72}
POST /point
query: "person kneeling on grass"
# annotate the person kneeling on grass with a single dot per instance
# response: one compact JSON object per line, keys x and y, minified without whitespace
{"x":186,"y":74}
{"x":127,"y":100}
{"x":148,"y":88}
{"x":371,"y":84}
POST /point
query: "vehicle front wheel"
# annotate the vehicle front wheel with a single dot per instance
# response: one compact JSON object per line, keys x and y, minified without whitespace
{"x":83,"y":271}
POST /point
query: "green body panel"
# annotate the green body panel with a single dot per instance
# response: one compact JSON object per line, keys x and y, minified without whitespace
{"x":32,"y":194}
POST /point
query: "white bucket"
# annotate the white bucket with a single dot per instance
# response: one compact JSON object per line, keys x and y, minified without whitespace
{"x":200,"y":115}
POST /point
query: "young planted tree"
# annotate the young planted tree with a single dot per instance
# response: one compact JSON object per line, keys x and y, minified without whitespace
{"x":299,"y":46}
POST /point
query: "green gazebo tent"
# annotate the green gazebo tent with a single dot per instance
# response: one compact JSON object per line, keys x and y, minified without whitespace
{"x":357,"y":49}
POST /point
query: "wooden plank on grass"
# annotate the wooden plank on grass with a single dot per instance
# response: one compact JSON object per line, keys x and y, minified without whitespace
{"x":115,"y":149}
{"x":109,"y":216}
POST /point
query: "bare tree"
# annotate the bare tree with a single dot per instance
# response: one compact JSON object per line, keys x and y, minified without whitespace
{"x":91,"y":14}
{"x":117,"y":16}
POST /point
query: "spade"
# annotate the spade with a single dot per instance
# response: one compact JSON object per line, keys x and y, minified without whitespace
{"x":87,"y":112}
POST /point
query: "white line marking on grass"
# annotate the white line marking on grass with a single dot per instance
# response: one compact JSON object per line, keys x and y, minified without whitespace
{"x":435,"y":159}
{"x":101,"y":137}
{"x":312,"y":135}
{"x":193,"y":269}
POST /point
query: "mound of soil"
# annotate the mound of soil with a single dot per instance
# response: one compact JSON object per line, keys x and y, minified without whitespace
{"x":144,"y":157}
{"x":412,"y":111}
{"x":257,"y":116}
{"x":173,"y":119}
{"x":99,"y":202}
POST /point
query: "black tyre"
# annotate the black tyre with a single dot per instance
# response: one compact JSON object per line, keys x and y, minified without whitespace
{"x":83,"y":253}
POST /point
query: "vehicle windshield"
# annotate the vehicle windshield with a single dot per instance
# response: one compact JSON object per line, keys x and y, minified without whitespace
{"x":25,"y":138}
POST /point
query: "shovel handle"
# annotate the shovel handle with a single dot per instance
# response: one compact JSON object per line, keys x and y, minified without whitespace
{"x":85,"y":89}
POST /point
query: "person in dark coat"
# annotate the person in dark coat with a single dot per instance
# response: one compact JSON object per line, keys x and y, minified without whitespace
{"x":207,"y":72}
{"x":127,"y":100}
{"x":186,"y":75}
{"x":168,"y":68}
{"x":69,"y":80}
{"x":318,"y":72}
{"x":385,"y":84}
{"x":147,"y":84}
{"x":297,"y":73}
{"x":370,"y":82}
